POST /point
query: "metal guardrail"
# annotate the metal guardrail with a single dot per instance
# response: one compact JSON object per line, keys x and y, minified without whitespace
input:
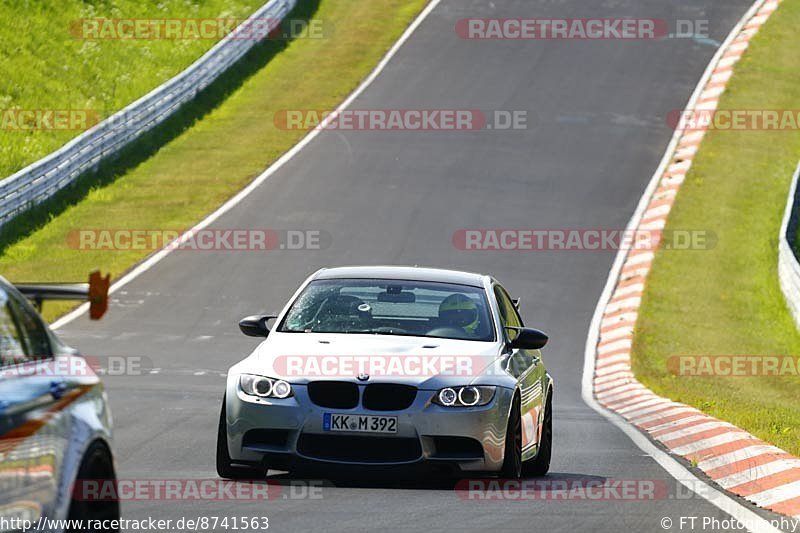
{"x":788,"y":265}
{"x":43,"y":178}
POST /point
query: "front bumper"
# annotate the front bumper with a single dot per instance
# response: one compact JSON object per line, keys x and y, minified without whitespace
{"x":290,"y":431}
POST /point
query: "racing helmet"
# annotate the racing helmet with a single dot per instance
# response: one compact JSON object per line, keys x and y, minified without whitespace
{"x":460,"y":311}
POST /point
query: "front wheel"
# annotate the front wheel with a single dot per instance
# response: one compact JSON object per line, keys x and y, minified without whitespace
{"x":225,"y":468}
{"x":512,"y":462}
{"x":540,"y":465}
{"x":96,"y":466}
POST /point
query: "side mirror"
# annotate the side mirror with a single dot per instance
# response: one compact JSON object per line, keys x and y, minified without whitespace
{"x":529,"y":339}
{"x":255,"y":325}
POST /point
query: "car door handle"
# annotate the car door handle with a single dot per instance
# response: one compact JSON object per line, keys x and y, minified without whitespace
{"x":57,"y":389}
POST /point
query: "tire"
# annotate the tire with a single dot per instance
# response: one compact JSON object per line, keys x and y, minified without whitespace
{"x":225,"y":468}
{"x":540,"y":465}
{"x":97,"y":465}
{"x":512,"y":461}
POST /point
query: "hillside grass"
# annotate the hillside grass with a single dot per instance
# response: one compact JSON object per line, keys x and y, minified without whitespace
{"x":45,"y":65}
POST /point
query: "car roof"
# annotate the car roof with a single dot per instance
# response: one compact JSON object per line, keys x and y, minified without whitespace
{"x":404,"y":272}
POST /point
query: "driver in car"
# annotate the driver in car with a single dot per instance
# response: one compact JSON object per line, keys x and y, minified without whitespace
{"x":459,"y":311}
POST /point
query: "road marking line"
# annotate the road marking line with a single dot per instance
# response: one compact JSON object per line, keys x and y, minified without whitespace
{"x":724,"y":75}
{"x":694,"y":137}
{"x":641,"y":271}
{"x":608,"y":356}
{"x":624,"y":316}
{"x":635,"y":259}
{"x":633,"y":288}
{"x":735,"y":461}
{"x":627,"y":303}
{"x":609,"y":346}
{"x":776,"y":495}
{"x":655,"y":212}
{"x":621,"y":374}
{"x":728,"y":61}
{"x":681,"y":422}
{"x":759,"y":471}
{"x":718,"y":430}
{"x":626,"y":407}
{"x":630,"y":390}
{"x":608,"y":384}
{"x":655,"y":225}
{"x":617,"y":332}
{"x":623,"y":357}
{"x":613,"y":397}
{"x":660,"y":421}
{"x":652,"y":400}
{"x":672,"y":410}
{"x":697,"y":447}
{"x":790,"y":507}
{"x":612,"y":369}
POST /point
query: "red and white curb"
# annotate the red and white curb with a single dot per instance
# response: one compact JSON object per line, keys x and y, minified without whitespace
{"x":734,"y":459}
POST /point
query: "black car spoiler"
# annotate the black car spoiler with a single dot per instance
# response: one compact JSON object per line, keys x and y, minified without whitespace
{"x":96,"y":292}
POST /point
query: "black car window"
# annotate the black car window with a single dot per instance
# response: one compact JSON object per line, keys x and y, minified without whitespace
{"x":391,"y":307}
{"x":32,"y":329}
{"x":11,"y":344}
{"x":508,"y":313}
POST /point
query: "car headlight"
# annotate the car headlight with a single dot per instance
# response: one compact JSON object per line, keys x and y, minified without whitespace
{"x":264,"y":387}
{"x":468,"y":396}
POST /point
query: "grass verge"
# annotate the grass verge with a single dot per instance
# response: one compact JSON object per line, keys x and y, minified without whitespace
{"x":210,"y":152}
{"x":45,"y":63}
{"x":728,"y":300}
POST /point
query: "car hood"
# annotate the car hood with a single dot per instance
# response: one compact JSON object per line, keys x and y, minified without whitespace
{"x":425,"y":362}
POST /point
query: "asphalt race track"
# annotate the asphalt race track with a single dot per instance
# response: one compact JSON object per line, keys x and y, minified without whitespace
{"x":596,"y":131}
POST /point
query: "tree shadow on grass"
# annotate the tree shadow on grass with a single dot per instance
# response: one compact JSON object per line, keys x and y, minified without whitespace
{"x":129,"y":157}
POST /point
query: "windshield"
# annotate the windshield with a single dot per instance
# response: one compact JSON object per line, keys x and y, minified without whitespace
{"x":391,"y":307}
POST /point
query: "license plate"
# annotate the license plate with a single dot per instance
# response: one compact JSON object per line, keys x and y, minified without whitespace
{"x":360,"y":423}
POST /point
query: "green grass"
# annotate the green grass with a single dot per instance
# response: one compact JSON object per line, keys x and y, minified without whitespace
{"x":728,"y":300}
{"x":211,"y":150}
{"x":43,"y":65}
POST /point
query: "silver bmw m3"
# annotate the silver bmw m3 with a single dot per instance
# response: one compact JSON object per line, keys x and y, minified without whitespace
{"x":380,"y":366}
